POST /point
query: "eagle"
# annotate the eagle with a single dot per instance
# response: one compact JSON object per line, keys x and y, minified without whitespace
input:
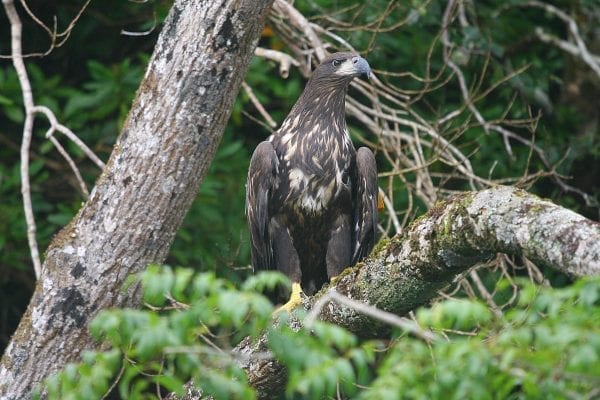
{"x":311,"y":198}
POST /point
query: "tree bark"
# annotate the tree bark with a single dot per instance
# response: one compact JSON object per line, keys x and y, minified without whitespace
{"x":407,"y":271}
{"x":150,"y":181}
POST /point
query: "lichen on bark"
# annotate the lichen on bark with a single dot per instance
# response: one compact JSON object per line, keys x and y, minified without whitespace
{"x":407,"y":271}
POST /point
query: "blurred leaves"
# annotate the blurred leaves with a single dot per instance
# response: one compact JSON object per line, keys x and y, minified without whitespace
{"x":456,"y":314}
{"x":546,"y":346}
{"x":188,"y":332}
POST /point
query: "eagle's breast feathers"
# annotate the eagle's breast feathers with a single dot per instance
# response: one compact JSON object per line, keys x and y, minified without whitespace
{"x":315,"y":168}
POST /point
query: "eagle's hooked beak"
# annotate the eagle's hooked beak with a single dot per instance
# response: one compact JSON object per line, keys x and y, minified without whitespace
{"x":361,"y":67}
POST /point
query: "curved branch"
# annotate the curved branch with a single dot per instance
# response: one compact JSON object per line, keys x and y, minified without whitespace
{"x":16,"y":30}
{"x":455,"y":235}
{"x":580,"y":49}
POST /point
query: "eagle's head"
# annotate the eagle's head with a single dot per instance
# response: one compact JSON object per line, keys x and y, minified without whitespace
{"x":322,"y":101}
{"x":340,"y":68}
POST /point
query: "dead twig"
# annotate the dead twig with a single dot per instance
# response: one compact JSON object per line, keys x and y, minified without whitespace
{"x":259,"y":107}
{"x":16,"y":29}
{"x":373,"y":312}
{"x":284,"y":60}
{"x":31,"y":109}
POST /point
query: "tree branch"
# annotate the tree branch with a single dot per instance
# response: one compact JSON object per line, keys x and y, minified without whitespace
{"x":56,"y":126}
{"x":16,"y":30}
{"x":457,"y":234}
{"x":31,"y":109}
{"x":582,"y":51}
{"x":435,"y":250}
{"x":284,"y":60}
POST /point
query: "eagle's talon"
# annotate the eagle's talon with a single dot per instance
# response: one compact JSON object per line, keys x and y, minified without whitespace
{"x":294,"y":301}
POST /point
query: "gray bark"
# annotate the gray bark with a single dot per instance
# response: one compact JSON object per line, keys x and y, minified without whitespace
{"x":153,"y":174}
{"x":407,"y":271}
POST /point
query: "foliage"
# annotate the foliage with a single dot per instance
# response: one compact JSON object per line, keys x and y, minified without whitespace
{"x":176,"y":339}
{"x":547,"y":346}
{"x":89,"y":84}
{"x":323,"y":360}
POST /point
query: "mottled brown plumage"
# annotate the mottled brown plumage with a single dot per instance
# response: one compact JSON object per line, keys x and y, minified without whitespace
{"x":311,"y":199}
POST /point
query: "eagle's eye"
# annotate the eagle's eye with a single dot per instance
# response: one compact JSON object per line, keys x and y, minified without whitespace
{"x":336,"y":63}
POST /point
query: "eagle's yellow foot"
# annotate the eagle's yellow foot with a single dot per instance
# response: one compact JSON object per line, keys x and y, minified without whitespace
{"x":294,"y":301}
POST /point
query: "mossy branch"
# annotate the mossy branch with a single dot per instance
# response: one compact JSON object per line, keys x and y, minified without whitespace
{"x":451,"y":238}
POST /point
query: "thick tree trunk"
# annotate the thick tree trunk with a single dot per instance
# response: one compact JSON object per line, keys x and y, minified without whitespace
{"x":407,"y":271}
{"x":138,"y":203}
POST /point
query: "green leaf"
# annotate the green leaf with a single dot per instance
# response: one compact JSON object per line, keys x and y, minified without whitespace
{"x":171,"y":383}
{"x":157,"y":282}
{"x":5,"y":101}
{"x":266,"y":280}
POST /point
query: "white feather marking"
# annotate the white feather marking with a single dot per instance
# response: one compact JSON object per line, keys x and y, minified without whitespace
{"x":338,"y":174}
{"x":295,"y":122}
{"x":347,"y":68}
{"x":307,"y":203}
{"x":317,"y":162}
{"x":290,"y":151}
{"x":297,"y":177}
{"x":321,"y":198}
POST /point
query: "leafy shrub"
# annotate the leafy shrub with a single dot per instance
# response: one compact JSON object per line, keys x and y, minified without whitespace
{"x":547,"y":346}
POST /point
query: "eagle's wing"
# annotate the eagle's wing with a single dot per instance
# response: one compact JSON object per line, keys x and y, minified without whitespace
{"x":365,"y":205}
{"x":261,"y":177}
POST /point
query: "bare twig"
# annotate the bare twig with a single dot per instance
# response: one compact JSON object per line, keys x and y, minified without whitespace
{"x":56,"y":126}
{"x":57,"y":39}
{"x":284,"y":60}
{"x":217,"y":351}
{"x":30,"y":110}
{"x":142,"y":33}
{"x":562,"y":44}
{"x":114,"y":383}
{"x":72,"y":165}
{"x":17,"y":56}
{"x":299,"y":21}
{"x":582,"y":50}
{"x":485,"y":294}
{"x":391,"y":212}
{"x":259,"y":107}
{"x":373,"y":312}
